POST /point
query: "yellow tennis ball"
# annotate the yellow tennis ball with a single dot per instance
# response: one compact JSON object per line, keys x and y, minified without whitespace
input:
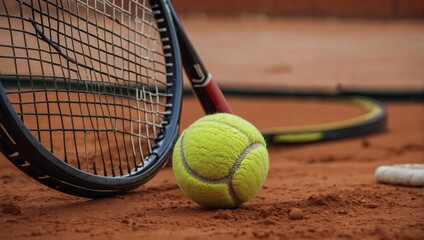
{"x":220,"y":161}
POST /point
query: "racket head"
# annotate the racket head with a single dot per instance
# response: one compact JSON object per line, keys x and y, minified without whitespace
{"x":118,"y":64}
{"x":373,"y":121}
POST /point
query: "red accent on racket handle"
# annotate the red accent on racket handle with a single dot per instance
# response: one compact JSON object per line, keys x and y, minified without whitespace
{"x":212,"y":98}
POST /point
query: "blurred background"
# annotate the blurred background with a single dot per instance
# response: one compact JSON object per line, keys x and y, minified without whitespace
{"x":318,"y":44}
{"x":306,"y":8}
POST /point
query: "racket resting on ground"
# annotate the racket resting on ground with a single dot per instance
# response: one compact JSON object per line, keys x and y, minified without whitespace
{"x":90,"y":92}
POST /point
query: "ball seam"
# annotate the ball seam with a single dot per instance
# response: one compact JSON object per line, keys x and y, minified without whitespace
{"x":235,"y":167}
{"x":225,"y":124}
{"x":226,"y":179}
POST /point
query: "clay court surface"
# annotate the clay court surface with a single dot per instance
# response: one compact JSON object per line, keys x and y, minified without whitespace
{"x":332,"y":183}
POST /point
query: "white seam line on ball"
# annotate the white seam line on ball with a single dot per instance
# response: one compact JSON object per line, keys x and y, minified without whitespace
{"x":233,"y":169}
{"x":236,"y":165}
{"x":227,"y":179}
{"x":225,"y":124}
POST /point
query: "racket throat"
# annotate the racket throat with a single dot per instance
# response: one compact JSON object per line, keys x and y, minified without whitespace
{"x":205,"y":88}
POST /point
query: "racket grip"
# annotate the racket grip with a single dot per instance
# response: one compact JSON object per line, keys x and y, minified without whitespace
{"x":212,"y":98}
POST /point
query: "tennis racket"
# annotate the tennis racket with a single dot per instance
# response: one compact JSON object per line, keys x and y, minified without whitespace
{"x":91,"y":91}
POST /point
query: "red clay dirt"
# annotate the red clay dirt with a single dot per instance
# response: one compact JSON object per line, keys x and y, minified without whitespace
{"x":331,"y":184}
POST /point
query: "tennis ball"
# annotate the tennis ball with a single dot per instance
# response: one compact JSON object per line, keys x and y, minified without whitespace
{"x":220,"y":161}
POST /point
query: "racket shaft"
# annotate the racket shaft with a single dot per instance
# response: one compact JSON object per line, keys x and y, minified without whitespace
{"x":205,"y":88}
{"x":212,"y":98}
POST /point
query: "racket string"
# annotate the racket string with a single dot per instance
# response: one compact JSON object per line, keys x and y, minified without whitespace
{"x":89,"y":79}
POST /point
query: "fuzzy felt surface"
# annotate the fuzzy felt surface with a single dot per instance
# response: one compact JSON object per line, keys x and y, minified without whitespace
{"x":220,"y":161}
